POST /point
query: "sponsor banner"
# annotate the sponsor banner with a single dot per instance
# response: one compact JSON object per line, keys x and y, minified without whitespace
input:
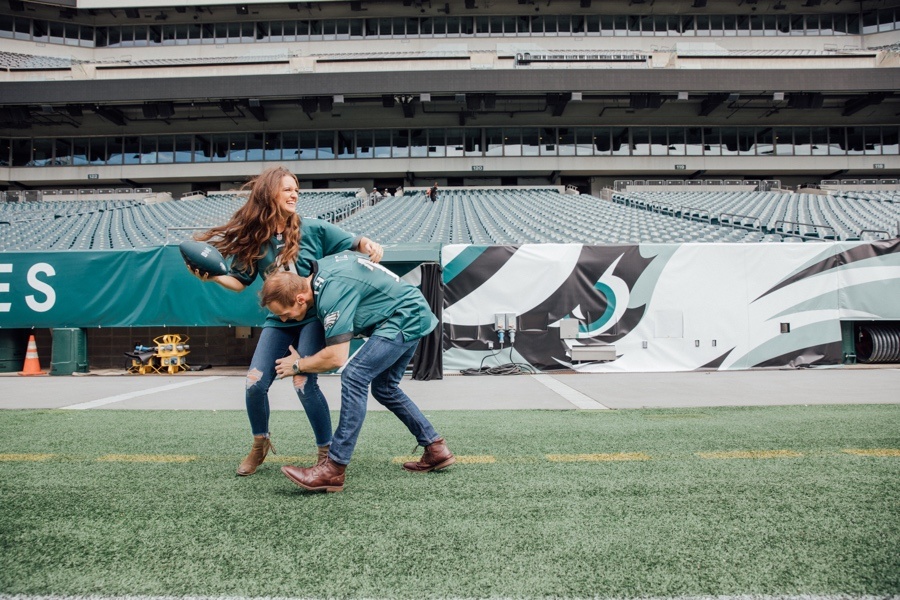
{"x":116,"y":288}
{"x":663,"y":307}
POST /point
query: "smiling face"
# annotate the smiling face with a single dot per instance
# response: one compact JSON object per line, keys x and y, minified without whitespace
{"x":286,"y":198}
{"x":296,"y":311}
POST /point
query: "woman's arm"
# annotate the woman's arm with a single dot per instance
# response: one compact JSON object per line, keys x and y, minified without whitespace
{"x":229,"y":283}
{"x":226,"y":281}
{"x":367,"y":246}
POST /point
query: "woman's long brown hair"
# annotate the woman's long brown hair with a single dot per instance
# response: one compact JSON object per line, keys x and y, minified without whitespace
{"x":252,"y":225}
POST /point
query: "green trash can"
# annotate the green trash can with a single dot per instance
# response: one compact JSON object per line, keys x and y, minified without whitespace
{"x":13,"y":346}
{"x":69,"y":353}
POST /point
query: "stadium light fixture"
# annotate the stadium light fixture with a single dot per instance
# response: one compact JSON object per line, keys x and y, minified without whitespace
{"x":309,"y":105}
{"x":113,"y":115}
{"x":778,"y":96}
{"x":255,"y":108}
{"x":408,"y":106}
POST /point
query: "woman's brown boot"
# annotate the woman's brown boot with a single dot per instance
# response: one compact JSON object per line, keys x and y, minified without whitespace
{"x":261,"y":446}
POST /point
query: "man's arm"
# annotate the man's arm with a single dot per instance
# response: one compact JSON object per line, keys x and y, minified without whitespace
{"x":326,"y":359}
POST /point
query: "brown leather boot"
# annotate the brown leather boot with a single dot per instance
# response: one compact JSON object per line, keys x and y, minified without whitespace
{"x":327,"y":476}
{"x":436,"y":456}
{"x":322,"y":454}
{"x":261,"y":446}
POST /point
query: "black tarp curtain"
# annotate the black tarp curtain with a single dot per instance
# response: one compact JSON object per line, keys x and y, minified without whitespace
{"x":428,"y":361}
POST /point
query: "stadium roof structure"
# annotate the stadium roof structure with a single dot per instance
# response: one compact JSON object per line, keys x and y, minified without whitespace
{"x":347,"y":69}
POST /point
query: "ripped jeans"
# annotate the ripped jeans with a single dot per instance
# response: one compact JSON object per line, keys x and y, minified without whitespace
{"x":307,"y":339}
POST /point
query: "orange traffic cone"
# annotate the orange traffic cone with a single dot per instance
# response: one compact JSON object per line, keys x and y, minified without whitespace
{"x":32,"y":363}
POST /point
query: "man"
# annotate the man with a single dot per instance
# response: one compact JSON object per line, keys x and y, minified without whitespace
{"x":352,"y":295}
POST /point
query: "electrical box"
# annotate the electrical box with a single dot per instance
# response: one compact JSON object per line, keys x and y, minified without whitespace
{"x":568,"y":329}
{"x":605,"y":352}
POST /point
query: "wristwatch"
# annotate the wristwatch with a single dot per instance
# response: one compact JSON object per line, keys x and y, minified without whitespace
{"x":296,"y":367}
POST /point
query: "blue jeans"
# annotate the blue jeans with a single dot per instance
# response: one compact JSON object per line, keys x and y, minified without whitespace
{"x":380,"y":362}
{"x":273,"y":344}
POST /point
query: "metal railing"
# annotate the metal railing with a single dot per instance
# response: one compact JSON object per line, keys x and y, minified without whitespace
{"x":756,"y":221}
{"x":799,"y":233}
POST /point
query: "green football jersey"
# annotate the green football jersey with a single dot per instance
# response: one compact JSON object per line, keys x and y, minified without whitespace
{"x":354,"y":296}
{"x":318,"y":239}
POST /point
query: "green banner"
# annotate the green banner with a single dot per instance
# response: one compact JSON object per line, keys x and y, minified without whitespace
{"x":116,"y":288}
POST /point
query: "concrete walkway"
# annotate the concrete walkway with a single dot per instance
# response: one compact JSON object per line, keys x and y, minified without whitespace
{"x":223,"y":389}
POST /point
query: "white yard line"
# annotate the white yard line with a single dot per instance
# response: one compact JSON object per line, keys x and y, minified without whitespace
{"x":572,"y":395}
{"x":156,"y":390}
{"x":836,"y":596}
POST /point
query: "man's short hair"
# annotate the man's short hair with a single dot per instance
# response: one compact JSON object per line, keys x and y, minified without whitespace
{"x":282,"y":287}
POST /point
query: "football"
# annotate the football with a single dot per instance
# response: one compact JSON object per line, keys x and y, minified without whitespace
{"x":203,"y":258}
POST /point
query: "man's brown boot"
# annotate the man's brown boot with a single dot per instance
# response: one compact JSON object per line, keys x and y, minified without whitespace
{"x":436,"y":456}
{"x":322,"y":454}
{"x":327,"y":476}
{"x":261,"y":446}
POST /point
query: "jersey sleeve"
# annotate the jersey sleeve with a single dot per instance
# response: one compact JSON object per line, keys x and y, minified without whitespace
{"x":336,"y":306}
{"x":334,"y":239}
{"x":246,"y":275}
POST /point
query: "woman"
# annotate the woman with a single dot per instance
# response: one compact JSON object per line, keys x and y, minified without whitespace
{"x":263,"y":236}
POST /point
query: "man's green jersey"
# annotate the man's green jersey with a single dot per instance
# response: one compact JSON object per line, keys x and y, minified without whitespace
{"x":354,"y":296}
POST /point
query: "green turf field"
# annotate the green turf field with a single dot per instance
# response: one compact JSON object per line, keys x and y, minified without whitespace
{"x":573,"y":504}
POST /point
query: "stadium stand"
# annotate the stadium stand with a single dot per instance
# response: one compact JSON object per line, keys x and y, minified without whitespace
{"x":805,"y":215}
{"x":482,"y":216}
{"x":765,"y":124}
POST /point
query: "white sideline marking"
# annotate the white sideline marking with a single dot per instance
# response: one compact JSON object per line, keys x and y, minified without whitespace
{"x":573,"y":396}
{"x":120,"y":397}
{"x":736,"y":597}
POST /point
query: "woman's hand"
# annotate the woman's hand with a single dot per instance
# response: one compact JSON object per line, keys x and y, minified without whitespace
{"x":373,"y":249}
{"x":202,"y":276}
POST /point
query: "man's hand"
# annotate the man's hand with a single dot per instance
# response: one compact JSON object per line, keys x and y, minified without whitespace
{"x":284,"y":367}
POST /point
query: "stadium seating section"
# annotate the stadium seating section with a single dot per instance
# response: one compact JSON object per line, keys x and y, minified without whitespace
{"x":474,"y":216}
